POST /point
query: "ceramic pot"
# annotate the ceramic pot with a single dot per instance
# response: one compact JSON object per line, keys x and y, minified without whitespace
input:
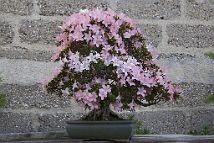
{"x":106,"y":130}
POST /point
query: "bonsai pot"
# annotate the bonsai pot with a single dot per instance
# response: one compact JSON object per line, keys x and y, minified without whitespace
{"x":98,"y":130}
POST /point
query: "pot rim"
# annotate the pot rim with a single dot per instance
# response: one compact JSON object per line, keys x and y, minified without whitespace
{"x":102,"y":122}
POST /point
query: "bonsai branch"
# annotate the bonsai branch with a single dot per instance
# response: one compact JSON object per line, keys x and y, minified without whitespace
{"x":103,"y":114}
{"x":148,"y":103}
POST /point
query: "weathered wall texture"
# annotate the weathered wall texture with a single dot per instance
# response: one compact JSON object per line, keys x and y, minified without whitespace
{"x":181,"y":30}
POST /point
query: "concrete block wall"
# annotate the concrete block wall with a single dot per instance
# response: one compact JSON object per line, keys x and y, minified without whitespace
{"x":182,"y":31}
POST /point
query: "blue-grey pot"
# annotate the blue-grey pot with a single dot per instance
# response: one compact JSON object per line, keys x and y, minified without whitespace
{"x":98,"y":130}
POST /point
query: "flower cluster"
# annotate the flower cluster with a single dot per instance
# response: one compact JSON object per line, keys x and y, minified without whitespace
{"x":105,"y":60}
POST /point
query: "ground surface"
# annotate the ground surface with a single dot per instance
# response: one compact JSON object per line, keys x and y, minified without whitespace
{"x":61,"y":137}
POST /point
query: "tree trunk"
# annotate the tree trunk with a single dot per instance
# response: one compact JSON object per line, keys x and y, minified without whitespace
{"x":102,"y":114}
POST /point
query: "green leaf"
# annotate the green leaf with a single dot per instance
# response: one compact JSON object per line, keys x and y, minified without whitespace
{"x":209,"y":99}
{"x":211,"y":55}
{"x":2,"y":100}
{"x":140,"y":129}
{"x":204,"y":130}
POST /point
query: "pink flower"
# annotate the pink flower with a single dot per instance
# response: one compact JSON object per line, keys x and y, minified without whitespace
{"x":79,"y":95}
{"x":130,"y":81}
{"x":126,"y":19}
{"x":93,"y":105}
{"x":123,"y":80}
{"x":105,"y":53}
{"x":108,"y":20}
{"x":65,"y":92}
{"x":77,"y":36}
{"x":97,"y":40}
{"x":160,"y":78}
{"x":87,"y":37}
{"x":129,"y":33}
{"x":104,"y":91}
{"x":137,"y":44}
{"x":136,"y":73}
{"x":62,"y":37}
{"x":91,"y":97}
{"x":56,"y":53}
{"x":132,"y":105}
{"x":141,"y":91}
{"x":94,"y":28}
{"x":117,"y":105}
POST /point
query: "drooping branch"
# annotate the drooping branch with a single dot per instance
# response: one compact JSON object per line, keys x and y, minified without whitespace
{"x":149,"y":103}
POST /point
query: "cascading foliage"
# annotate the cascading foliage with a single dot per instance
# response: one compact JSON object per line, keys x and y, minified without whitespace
{"x":105,"y":61}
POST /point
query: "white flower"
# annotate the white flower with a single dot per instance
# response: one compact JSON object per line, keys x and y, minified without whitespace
{"x":74,"y":85}
{"x":141,"y":91}
{"x":66,"y":91}
{"x":84,"y":10}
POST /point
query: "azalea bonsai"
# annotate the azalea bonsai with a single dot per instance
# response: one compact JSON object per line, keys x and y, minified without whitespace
{"x":106,"y":63}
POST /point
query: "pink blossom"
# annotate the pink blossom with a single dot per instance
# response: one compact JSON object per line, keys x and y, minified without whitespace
{"x":56,"y":53}
{"x":129,"y":33}
{"x":77,"y":36}
{"x":79,"y":95}
{"x":97,"y":15}
{"x":93,"y":105}
{"x":94,"y":28}
{"x":117,"y":105}
{"x":62,"y":37}
{"x":105,"y":53}
{"x":91,"y":97}
{"x":130,"y":81}
{"x":137,"y":44}
{"x":114,"y":29}
{"x":65,"y":91}
{"x":123,"y":80}
{"x":97,"y":40}
{"x":126,"y":19}
{"x":132,"y":105}
{"x":108,"y":20}
{"x":160,"y":78}
{"x":87,"y":37}
{"x":141,"y":91}
{"x":136,"y":73}
{"x":87,"y":98}
{"x":104,"y":91}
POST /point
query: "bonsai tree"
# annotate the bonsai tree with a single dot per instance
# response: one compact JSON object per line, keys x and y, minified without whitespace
{"x":106,"y":63}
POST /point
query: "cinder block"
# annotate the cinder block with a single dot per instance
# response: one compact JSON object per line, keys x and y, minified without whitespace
{"x":39,"y":31}
{"x":163,"y":122}
{"x":189,"y":70}
{"x":18,"y":52}
{"x":193,"y":95}
{"x":54,"y":122}
{"x":15,"y":122}
{"x":65,"y":7}
{"x":200,"y":118}
{"x":201,"y":10}
{"x":153,"y":33}
{"x":197,"y":36}
{"x":6,"y":33}
{"x":33,"y":96}
{"x":150,"y":9}
{"x":18,"y":7}
{"x":25,"y":72}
